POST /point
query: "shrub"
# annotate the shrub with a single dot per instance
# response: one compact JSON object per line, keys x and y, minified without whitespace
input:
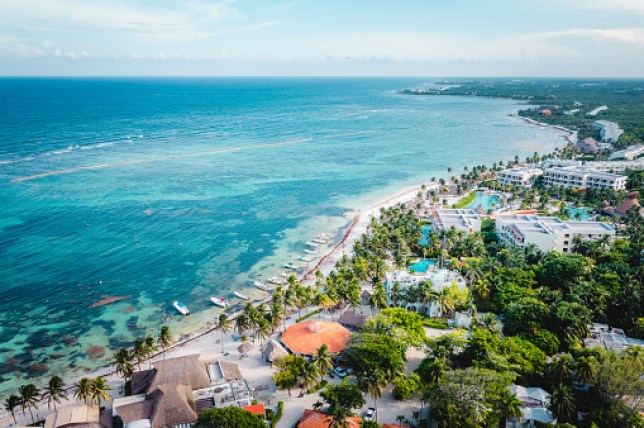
{"x":278,"y":415}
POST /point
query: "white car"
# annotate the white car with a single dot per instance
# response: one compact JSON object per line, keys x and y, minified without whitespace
{"x":368,"y":416}
{"x":339,"y":371}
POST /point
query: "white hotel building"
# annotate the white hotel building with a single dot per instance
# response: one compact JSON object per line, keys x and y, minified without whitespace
{"x":547,"y":233}
{"x":466,"y":220}
{"x":518,"y":176}
{"x":440,"y":279}
{"x":582,"y":178}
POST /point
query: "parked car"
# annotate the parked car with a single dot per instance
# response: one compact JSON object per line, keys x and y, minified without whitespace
{"x":339,"y":371}
{"x":368,"y":416}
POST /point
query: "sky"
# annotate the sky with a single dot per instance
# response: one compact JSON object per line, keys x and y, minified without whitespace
{"x":554,"y":38}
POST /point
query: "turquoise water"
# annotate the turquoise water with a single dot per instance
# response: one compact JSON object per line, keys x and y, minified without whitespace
{"x":584,"y":213}
{"x":426,"y":231}
{"x":422,"y":265}
{"x":189,"y":196}
{"x":489,"y":202}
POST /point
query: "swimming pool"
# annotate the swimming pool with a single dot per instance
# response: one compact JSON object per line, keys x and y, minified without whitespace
{"x":488,"y":202}
{"x":579,"y":214}
{"x":421,"y":265}
{"x":426,"y":230}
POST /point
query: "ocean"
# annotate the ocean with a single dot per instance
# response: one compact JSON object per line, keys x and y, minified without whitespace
{"x":157,"y":190}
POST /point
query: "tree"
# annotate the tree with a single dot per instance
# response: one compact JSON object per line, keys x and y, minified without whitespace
{"x":508,"y":406}
{"x":165,"y":338}
{"x":323,"y":360}
{"x":585,"y":368}
{"x":150,"y":347}
{"x":406,"y":327}
{"x":374,"y":384}
{"x":10,"y":405}
{"x":29,"y":395}
{"x":290,"y":370}
{"x":228,"y":417}
{"x":308,"y":377}
{"x":343,"y":396}
{"x":406,"y":387}
{"x":139,"y":352}
{"x":224,"y":325}
{"x":562,"y":404}
{"x":368,"y":352}
{"x":99,"y":390}
{"x":54,"y":391}
{"x":83,"y":389}
{"x":560,"y":369}
{"x":123,"y":364}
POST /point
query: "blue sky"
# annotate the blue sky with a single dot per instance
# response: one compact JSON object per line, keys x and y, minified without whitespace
{"x":323,"y":37}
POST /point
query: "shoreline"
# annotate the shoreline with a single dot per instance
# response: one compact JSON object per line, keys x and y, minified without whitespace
{"x":358,"y":222}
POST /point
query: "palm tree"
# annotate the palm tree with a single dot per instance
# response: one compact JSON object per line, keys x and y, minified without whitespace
{"x":150,"y":347}
{"x":308,"y":377}
{"x":446,"y":302}
{"x":123,"y":364}
{"x":139,"y":352}
{"x":509,"y":406}
{"x":165,"y":338}
{"x":562,"y":404}
{"x":241,"y":324}
{"x":338,"y":418}
{"x":10,"y":405}
{"x":378,"y":298}
{"x":561,"y":368}
{"x":29,"y":395}
{"x":396,"y":292}
{"x":263,"y":331}
{"x":323,"y":360}
{"x":99,"y":390}
{"x":83,"y":389}
{"x":54,"y":391}
{"x":224,"y":325}
{"x":374,"y":384}
{"x":586,"y":367}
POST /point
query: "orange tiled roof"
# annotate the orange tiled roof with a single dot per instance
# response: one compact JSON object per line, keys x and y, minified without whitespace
{"x":255,"y":409}
{"x":314,"y":419}
{"x":307,"y":337}
{"x":393,"y":426}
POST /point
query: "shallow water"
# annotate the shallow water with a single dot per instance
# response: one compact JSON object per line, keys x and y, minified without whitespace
{"x":168,"y":211}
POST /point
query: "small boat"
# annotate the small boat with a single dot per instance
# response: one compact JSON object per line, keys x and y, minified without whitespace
{"x":307,"y":251}
{"x":312,"y":244}
{"x":241,"y":295}
{"x":181,"y":307}
{"x":305,"y":259}
{"x":291,"y":267}
{"x":220,"y":301}
{"x":323,"y":236}
{"x":276,"y":281}
{"x":260,"y":285}
{"x":319,"y":241}
{"x":286,"y":274}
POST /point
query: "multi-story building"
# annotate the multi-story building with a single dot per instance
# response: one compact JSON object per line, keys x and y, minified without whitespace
{"x":466,"y":220}
{"x":547,"y":233}
{"x":629,"y":153}
{"x":518,"y":176}
{"x":615,"y":166}
{"x":439,"y":278}
{"x":582,"y":178}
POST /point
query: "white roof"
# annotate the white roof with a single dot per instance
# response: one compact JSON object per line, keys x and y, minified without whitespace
{"x":139,"y":423}
{"x":539,"y":414}
{"x":532,"y":392}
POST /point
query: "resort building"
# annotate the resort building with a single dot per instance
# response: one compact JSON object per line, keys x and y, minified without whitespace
{"x":305,"y":338}
{"x":81,"y":415}
{"x":608,"y":131}
{"x":174,"y":391}
{"x":629,"y":153}
{"x":583,"y":178}
{"x":553,"y":162}
{"x":439,"y":278}
{"x":547,"y":233}
{"x":588,"y":145}
{"x":518,"y":176}
{"x":612,"y":339}
{"x":465,"y":220}
{"x":615,"y":166}
{"x":534,"y":407}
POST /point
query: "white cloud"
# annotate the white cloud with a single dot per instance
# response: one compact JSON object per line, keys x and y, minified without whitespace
{"x":628,"y":6}
{"x":623,"y":35}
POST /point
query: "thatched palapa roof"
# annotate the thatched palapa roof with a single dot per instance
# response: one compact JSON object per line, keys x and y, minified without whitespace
{"x":353,"y":319}
{"x":273,"y":351}
{"x":188,"y":370}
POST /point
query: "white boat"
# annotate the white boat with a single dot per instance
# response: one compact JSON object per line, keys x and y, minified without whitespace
{"x":181,"y":307}
{"x":305,"y":259}
{"x":220,"y":301}
{"x":241,"y":295}
{"x":319,"y":241}
{"x":286,"y":274}
{"x":291,"y":267}
{"x":276,"y":281}
{"x":307,"y":251}
{"x":323,"y":236}
{"x":261,"y":286}
{"x":312,"y":244}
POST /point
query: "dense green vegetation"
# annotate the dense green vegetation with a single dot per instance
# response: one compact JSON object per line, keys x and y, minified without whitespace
{"x":228,"y":417}
{"x":624,"y":98}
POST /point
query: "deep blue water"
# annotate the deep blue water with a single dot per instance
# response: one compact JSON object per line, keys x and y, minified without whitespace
{"x":169,"y":215}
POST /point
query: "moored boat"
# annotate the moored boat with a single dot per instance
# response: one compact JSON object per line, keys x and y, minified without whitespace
{"x":307,"y":251}
{"x":291,"y":267}
{"x":220,"y":301}
{"x":241,"y":295}
{"x":181,"y":307}
{"x":260,"y":285}
{"x":276,"y":281}
{"x":319,"y":241}
{"x":312,"y":244}
{"x":305,"y":259}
